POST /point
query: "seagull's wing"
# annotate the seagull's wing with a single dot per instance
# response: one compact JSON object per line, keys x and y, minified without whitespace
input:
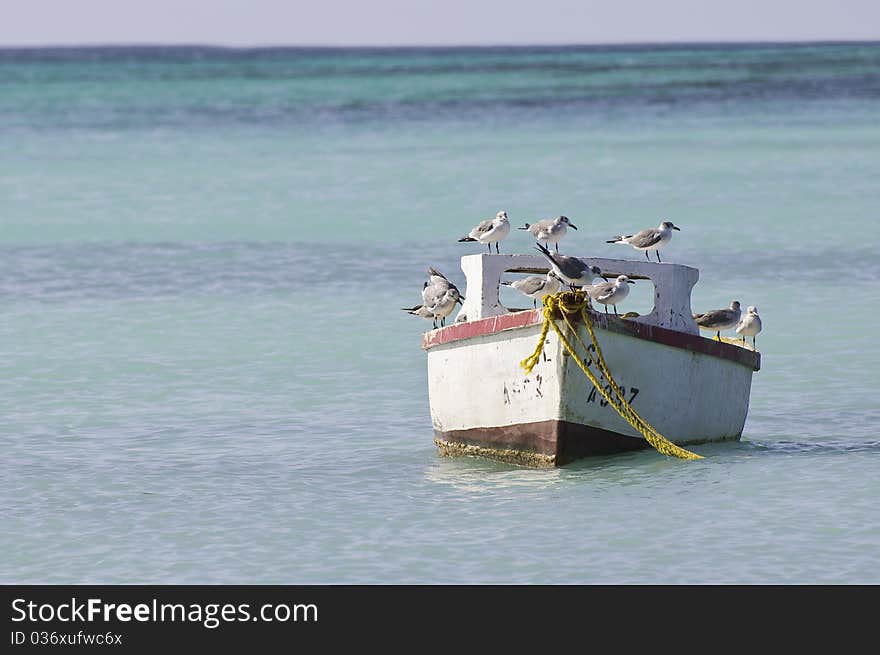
{"x":540,"y":226}
{"x":601,"y":291}
{"x":482,"y":228}
{"x":571,"y":267}
{"x":530,"y":285}
{"x":714,"y":317}
{"x":431,"y":296}
{"x":645,"y":238}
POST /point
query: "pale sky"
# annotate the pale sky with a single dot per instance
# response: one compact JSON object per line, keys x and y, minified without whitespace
{"x":431,"y":22}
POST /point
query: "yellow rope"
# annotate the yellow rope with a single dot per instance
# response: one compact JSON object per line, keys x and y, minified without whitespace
{"x":568,"y":304}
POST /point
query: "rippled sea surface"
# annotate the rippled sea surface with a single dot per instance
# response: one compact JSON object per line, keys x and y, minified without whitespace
{"x":205,"y":376}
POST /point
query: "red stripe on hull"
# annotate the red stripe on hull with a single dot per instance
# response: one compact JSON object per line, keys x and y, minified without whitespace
{"x":483,"y":326}
{"x":665,"y":336}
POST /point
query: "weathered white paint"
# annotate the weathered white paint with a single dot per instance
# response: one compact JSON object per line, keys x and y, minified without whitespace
{"x":687,"y":396}
{"x":472,"y":383}
{"x":672,"y":285}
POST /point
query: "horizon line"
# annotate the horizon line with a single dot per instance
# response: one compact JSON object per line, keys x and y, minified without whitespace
{"x":405,"y":46}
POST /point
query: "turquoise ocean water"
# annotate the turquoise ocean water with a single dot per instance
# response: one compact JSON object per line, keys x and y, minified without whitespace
{"x":205,"y":376}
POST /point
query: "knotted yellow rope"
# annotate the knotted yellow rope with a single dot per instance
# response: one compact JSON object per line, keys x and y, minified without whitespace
{"x":568,"y":304}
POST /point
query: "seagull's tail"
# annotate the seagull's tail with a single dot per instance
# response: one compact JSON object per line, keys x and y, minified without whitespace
{"x":466,"y":239}
{"x":525,"y":227}
{"x":546,"y":253}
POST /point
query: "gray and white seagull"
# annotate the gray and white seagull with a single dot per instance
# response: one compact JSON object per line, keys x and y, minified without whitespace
{"x":571,"y":270}
{"x":549,"y":230}
{"x":610,"y":293}
{"x":654,"y":238}
{"x":439,"y":297}
{"x":490,"y":231}
{"x":536,"y":286}
{"x":719,"y":319}
{"x":749,"y":325}
{"x":438,"y":306}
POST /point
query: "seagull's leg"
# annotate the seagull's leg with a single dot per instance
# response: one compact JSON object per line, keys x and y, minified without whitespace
{"x":754,"y":347}
{"x":606,"y":309}
{"x":534,"y":303}
{"x":557,"y":247}
{"x":615,"y":310}
{"x":658,"y":255}
{"x":646,"y":256}
{"x":718,"y":335}
{"x":497,"y":249}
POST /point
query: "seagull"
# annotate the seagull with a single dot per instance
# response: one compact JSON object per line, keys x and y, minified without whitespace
{"x":490,"y":231}
{"x":653,"y":238}
{"x":610,"y":293}
{"x":719,"y":319}
{"x":571,"y":270}
{"x":550,"y":230}
{"x":536,"y":286}
{"x":749,"y":325}
{"x":438,"y":284}
{"x":438,"y":306}
{"x":439,"y":297}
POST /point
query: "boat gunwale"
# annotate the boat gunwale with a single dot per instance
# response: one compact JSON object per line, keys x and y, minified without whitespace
{"x":654,"y":333}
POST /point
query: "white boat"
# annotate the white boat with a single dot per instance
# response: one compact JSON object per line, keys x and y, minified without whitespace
{"x":692,"y":389}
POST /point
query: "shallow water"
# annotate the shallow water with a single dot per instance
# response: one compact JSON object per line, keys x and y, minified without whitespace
{"x":206,"y":378}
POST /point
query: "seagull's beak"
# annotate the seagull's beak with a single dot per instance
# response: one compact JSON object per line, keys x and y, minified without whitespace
{"x":572,"y":226}
{"x":676,"y":228}
{"x":460,"y":300}
{"x":630,"y":282}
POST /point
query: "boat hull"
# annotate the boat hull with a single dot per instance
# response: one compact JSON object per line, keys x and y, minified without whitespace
{"x":691,"y":389}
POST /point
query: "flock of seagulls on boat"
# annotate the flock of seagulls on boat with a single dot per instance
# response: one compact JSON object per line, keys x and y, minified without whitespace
{"x":440,"y":296}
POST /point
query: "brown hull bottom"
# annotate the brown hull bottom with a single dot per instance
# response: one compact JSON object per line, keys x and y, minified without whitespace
{"x":545,"y":443}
